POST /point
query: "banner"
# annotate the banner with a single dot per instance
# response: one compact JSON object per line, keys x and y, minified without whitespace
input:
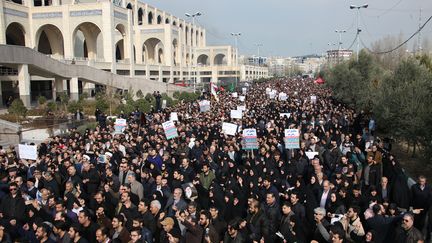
{"x":204,"y":105}
{"x":250,"y":139}
{"x":229,"y":128}
{"x":292,"y":139}
{"x":120,"y":125}
{"x":173,"y":116}
{"x":236,"y":114}
{"x":27,"y":151}
{"x":170,"y":129}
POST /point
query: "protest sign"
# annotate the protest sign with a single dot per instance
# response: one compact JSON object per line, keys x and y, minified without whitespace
{"x":235,"y":95}
{"x":242,"y":98}
{"x":250,"y":139}
{"x":283,"y":96}
{"x":313,"y":99}
{"x":244,"y":90}
{"x":170,"y":129}
{"x":292,"y":139}
{"x":241,"y":107}
{"x":204,"y":105}
{"x":120,"y":125}
{"x":288,"y":115}
{"x":173,"y":116}
{"x":164,"y":104}
{"x":27,"y":151}
{"x":236,"y":114}
{"x":229,"y":128}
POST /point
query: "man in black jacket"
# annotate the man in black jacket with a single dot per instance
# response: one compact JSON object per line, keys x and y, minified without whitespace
{"x":12,"y":206}
{"x":257,"y":222}
{"x":271,"y":209}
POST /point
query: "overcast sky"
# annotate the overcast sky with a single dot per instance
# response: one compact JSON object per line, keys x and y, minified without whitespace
{"x":299,"y":27}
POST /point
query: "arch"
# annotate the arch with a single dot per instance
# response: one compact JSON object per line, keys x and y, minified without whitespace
{"x":86,"y":40}
{"x":120,"y":45}
{"x":167,"y":21}
{"x":49,"y":40}
{"x":15,"y":34}
{"x":159,"y":19}
{"x":140,"y":16}
{"x":175,"y":52}
{"x":152,"y":48}
{"x":220,"y":59}
{"x":150,"y":18}
{"x":203,"y":60}
{"x":181,"y":26}
{"x":160,"y":56}
{"x":175,"y":23}
{"x":187,"y":59}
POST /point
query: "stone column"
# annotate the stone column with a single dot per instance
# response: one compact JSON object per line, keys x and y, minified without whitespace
{"x":74,"y":92}
{"x":2,"y":24}
{"x":58,"y":87}
{"x":24,"y":84}
{"x":88,"y":87}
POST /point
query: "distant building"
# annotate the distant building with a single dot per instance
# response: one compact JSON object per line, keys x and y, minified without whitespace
{"x":336,"y":56}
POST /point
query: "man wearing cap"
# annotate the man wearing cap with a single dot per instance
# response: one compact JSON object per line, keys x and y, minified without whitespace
{"x":169,"y":233}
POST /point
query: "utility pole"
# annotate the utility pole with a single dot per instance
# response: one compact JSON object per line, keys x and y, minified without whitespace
{"x":197,"y":14}
{"x":236,"y":35}
{"x":419,"y":47}
{"x":259,"y":58}
{"x":358,"y":29}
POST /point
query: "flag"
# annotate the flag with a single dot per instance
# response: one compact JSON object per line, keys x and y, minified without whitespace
{"x":213,"y":89}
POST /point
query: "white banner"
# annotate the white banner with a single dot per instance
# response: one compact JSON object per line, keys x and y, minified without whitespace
{"x":241,"y":107}
{"x":229,"y":128}
{"x":27,"y":151}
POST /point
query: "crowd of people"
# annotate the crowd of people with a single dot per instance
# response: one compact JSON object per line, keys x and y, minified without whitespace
{"x":203,"y":186}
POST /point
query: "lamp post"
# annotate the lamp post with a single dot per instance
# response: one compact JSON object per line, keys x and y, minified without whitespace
{"x":236,"y":35}
{"x":358,"y":30}
{"x":197,"y":14}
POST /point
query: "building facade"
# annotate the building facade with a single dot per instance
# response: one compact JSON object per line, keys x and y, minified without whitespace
{"x":124,"y":37}
{"x":336,"y":56}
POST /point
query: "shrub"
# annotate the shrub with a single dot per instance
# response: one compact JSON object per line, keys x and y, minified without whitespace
{"x":18,"y":108}
{"x":74,"y":106}
{"x":42,"y":100}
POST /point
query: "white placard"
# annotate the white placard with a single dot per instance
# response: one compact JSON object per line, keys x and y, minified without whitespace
{"x":27,"y":151}
{"x":120,"y":122}
{"x":229,"y":128}
{"x":236,"y":114}
{"x":288,"y":115}
{"x":283,"y":96}
{"x":241,"y":107}
{"x":244,"y":90}
{"x":242,"y":98}
{"x":311,"y":155}
{"x":268,"y":90}
{"x":313,"y":98}
{"x":235,"y":95}
{"x":164,"y":104}
{"x":173,"y":116}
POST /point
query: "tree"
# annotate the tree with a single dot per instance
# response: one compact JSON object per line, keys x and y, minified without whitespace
{"x":18,"y":109}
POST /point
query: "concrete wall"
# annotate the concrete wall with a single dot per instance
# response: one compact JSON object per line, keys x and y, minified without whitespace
{"x":10,"y":133}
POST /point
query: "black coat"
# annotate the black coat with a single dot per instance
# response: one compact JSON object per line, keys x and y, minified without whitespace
{"x":258,"y":225}
{"x":13,"y":207}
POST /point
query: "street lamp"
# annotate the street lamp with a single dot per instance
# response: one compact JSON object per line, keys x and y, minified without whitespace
{"x":236,"y":35}
{"x":340,"y":32}
{"x":358,"y":30}
{"x":197,"y":14}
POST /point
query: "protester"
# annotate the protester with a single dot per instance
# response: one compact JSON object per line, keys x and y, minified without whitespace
{"x":337,"y":183}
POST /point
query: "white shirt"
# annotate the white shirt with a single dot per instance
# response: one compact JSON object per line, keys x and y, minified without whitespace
{"x":324,"y":199}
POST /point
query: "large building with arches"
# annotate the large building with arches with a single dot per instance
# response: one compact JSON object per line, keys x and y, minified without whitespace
{"x":124,"y":37}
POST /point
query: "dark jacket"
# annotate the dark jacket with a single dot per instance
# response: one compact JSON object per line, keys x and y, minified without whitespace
{"x":381,"y":225}
{"x":13,"y":207}
{"x":258,"y":225}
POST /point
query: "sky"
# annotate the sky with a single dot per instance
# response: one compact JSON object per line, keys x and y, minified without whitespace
{"x":301,"y":27}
